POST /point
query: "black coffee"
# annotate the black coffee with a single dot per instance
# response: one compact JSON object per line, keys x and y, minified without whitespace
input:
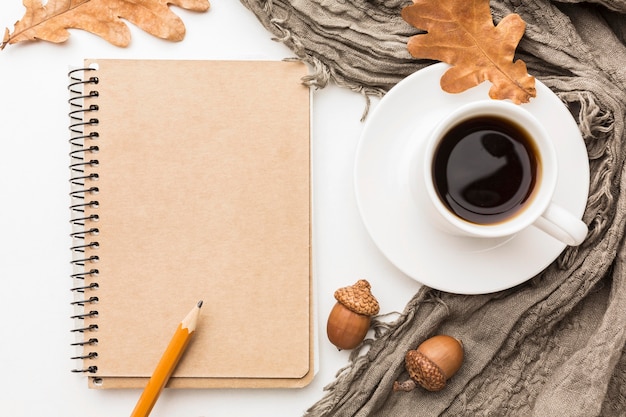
{"x":485,"y":169}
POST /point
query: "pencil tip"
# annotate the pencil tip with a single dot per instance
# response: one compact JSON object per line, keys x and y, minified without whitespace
{"x":199,"y":303}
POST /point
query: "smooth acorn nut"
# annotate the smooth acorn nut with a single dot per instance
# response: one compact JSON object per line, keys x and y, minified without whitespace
{"x":433,"y":362}
{"x":350,"y":318}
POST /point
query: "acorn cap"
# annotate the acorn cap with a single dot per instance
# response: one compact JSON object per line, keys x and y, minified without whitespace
{"x":424,"y":371}
{"x":358,"y":298}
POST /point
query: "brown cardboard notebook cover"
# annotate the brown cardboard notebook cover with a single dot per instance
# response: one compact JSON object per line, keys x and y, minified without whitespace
{"x":203,"y":191}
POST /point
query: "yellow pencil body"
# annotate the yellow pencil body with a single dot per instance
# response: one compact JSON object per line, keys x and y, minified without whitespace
{"x":167,"y":364}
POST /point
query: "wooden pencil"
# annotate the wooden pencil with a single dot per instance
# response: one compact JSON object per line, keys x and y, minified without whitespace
{"x":167,"y":363}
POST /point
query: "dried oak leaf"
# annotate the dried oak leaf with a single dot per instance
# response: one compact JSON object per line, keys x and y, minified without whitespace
{"x":51,"y":20}
{"x":462,"y":34}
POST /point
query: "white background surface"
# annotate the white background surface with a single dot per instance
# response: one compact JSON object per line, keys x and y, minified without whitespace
{"x":34,"y":221}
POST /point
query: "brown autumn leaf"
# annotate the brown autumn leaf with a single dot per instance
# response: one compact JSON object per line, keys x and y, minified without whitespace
{"x":51,"y":20}
{"x":462,"y":34}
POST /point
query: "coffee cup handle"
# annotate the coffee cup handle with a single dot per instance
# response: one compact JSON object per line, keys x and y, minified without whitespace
{"x":562,"y":225}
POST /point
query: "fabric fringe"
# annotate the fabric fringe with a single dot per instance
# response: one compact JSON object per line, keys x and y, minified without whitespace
{"x":277,"y":17}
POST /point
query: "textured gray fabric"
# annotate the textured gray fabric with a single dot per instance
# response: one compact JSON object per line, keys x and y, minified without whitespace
{"x":553,"y":346}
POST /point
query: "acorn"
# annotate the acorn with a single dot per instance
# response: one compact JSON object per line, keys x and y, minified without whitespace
{"x":350,"y":318}
{"x":433,"y":362}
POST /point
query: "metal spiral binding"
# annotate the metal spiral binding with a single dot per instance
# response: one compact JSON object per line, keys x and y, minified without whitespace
{"x":83,"y":180}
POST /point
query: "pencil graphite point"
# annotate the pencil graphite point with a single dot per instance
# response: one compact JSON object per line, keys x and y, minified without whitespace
{"x":200,"y":304}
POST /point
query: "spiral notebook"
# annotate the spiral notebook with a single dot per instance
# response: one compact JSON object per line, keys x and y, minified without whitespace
{"x":191,"y":181}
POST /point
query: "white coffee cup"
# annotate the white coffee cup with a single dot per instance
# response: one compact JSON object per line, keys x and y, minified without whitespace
{"x":487,"y":185}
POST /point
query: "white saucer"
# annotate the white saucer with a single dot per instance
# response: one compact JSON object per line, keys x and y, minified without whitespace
{"x":396,"y":221}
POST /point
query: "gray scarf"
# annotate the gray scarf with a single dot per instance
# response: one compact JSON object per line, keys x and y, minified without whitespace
{"x":553,"y":346}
